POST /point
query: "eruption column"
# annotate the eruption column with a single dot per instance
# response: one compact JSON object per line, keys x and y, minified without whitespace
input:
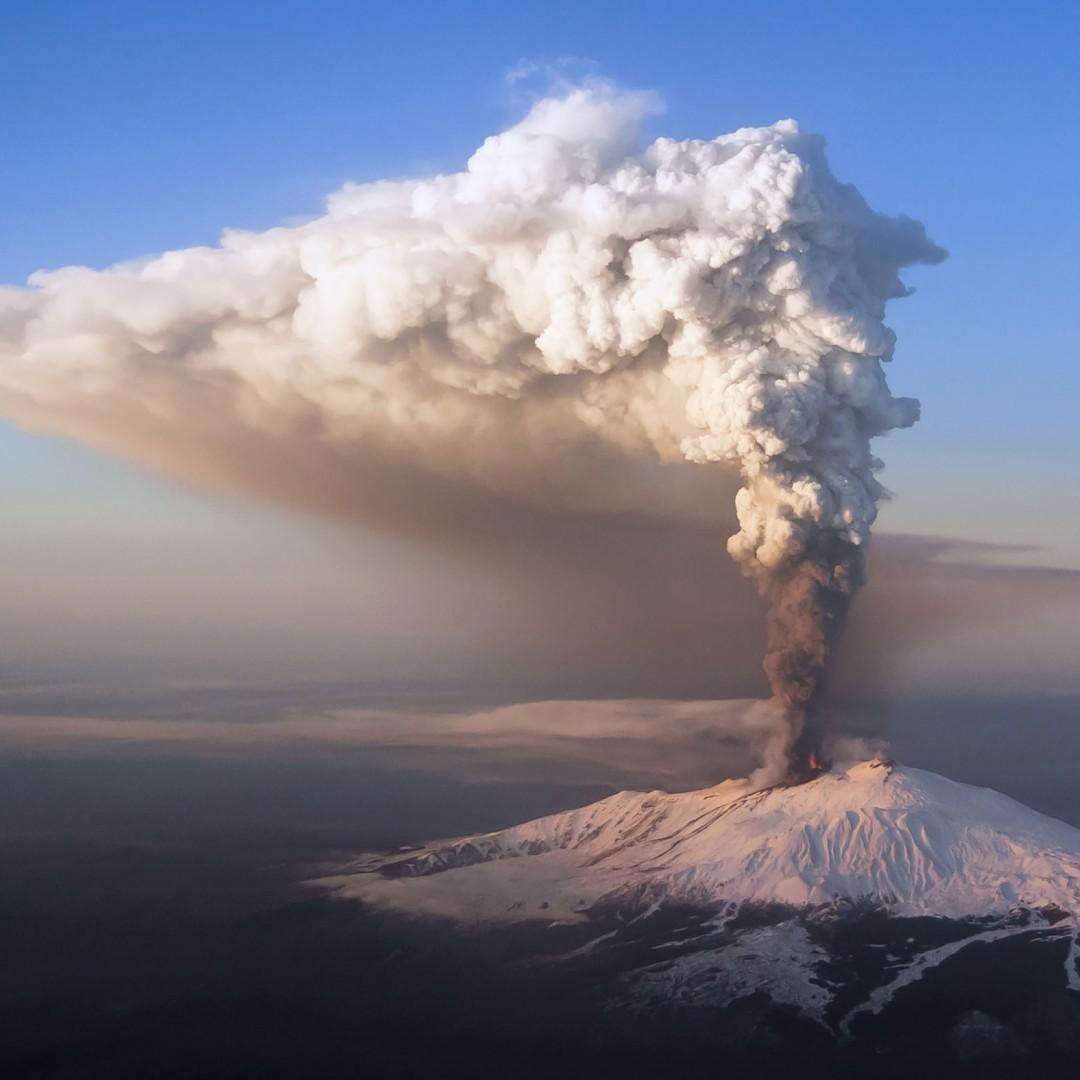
{"x":567,"y":299}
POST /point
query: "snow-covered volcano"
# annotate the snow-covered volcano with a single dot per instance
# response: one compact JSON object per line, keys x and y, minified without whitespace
{"x":828,"y":897}
{"x":909,"y":840}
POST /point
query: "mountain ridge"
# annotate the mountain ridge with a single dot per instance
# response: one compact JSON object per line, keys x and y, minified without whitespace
{"x":908,"y":839}
{"x":830,"y":897}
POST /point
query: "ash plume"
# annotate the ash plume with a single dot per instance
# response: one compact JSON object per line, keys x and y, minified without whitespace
{"x":529,"y":329}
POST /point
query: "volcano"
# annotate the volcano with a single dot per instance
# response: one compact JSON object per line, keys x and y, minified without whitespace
{"x":909,"y":840}
{"x":829,"y":896}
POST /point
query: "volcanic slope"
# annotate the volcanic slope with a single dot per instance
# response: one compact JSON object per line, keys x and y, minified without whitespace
{"x":848,"y":900}
{"x":906,"y":839}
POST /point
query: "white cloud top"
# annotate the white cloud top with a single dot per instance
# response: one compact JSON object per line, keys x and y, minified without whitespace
{"x":566,"y":294}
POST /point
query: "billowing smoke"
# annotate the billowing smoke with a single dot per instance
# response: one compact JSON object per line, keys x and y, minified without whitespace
{"x":529,"y":329}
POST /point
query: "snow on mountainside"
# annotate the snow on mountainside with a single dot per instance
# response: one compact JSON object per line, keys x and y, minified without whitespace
{"x":910,"y":840}
{"x":829,"y":898}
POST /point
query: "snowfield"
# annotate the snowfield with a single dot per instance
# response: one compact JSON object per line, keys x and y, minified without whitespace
{"x":830,"y":897}
{"x":910,"y":840}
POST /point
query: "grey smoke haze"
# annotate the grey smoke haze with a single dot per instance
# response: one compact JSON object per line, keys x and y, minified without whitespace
{"x":558,"y":329}
{"x":309,"y":631}
{"x":965,"y":666}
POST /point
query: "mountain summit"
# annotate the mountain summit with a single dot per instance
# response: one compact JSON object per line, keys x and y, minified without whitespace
{"x":909,"y":840}
{"x":826,"y":897}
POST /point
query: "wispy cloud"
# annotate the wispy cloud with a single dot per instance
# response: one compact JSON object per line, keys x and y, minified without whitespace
{"x":677,"y":742}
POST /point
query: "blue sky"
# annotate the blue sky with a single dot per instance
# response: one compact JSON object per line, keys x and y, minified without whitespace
{"x":133,"y":127}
